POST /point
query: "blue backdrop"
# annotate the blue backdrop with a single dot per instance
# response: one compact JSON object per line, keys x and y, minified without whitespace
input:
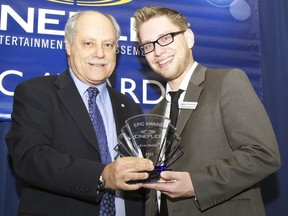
{"x":227,"y":35}
{"x":32,"y":42}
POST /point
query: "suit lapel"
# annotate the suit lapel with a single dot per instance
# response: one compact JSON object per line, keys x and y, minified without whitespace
{"x":159,"y":109}
{"x":119,"y":109}
{"x":74,"y":104}
{"x":192,"y":95}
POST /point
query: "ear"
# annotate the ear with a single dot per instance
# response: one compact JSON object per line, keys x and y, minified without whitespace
{"x":189,"y":35}
{"x":67,"y":46}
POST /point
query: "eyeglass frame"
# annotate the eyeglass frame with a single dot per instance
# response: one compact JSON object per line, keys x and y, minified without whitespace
{"x":173,"y":34}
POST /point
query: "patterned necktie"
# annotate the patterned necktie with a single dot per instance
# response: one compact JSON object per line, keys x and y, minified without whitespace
{"x":107,"y":206}
{"x":174,"y":111}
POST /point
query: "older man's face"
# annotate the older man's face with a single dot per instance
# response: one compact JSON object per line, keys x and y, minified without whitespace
{"x":92,"y":54}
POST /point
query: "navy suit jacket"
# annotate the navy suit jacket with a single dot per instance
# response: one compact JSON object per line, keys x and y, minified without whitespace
{"x":54,"y":149}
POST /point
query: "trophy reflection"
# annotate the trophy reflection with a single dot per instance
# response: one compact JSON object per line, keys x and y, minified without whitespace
{"x":150,"y":136}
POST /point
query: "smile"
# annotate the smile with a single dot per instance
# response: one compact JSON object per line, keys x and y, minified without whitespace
{"x":165,"y":61}
{"x":99,"y":63}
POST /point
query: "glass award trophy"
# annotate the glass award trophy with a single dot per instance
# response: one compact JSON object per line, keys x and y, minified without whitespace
{"x":150,"y":136}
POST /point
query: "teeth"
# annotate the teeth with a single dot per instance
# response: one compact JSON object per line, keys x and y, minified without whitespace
{"x":165,"y":61}
{"x":101,"y":63}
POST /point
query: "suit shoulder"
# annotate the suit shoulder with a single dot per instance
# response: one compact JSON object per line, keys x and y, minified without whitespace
{"x":225,"y":73}
{"x":40,"y":81}
{"x":37,"y":84}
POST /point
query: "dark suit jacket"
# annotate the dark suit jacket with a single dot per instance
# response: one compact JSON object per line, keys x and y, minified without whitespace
{"x":54,"y":149}
{"x":229,"y":146}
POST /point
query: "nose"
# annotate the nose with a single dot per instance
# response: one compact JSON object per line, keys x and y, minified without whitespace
{"x":158,"y":50}
{"x":99,"y":52}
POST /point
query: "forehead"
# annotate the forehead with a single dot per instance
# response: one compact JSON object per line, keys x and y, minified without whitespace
{"x":95,"y":25}
{"x":155,"y":27}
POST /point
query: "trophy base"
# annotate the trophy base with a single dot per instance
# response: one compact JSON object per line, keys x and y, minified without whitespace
{"x":154,"y":175}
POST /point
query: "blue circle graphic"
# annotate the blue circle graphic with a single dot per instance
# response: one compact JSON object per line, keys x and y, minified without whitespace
{"x":221,"y":3}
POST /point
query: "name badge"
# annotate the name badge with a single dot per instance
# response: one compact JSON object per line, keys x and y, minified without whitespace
{"x":188,"y":105}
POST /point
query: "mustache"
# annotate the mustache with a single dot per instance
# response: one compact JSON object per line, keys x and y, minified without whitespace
{"x":97,"y":62}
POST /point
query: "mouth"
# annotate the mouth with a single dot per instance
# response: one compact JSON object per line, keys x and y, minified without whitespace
{"x":165,"y":61}
{"x":97,"y":63}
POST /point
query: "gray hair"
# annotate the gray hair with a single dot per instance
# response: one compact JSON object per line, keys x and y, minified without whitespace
{"x":72,"y":22}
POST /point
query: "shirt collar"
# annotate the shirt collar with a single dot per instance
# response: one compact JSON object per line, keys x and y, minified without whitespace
{"x":82,"y":87}
{"x":183,"y":85}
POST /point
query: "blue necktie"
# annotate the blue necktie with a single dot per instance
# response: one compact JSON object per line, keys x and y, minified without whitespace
{"x":107,"y":206}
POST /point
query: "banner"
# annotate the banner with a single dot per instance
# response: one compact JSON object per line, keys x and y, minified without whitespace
{"x":32,"y":42}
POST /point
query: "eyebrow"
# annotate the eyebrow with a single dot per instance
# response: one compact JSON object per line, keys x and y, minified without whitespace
{"x":159,"y":36}
{"x":96,"y":39}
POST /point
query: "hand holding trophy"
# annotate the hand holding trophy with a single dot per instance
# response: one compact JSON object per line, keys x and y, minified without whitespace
{"x":153,"y":137}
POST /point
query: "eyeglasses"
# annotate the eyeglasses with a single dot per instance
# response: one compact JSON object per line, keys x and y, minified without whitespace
{"x":162,"y":41}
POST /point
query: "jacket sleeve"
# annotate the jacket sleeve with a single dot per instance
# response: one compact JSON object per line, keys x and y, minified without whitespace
{"x":251,"y":137}
{"x":37,"y":159}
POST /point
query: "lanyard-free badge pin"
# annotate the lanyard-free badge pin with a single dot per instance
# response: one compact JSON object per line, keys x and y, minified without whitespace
{"x":188,"y":105}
